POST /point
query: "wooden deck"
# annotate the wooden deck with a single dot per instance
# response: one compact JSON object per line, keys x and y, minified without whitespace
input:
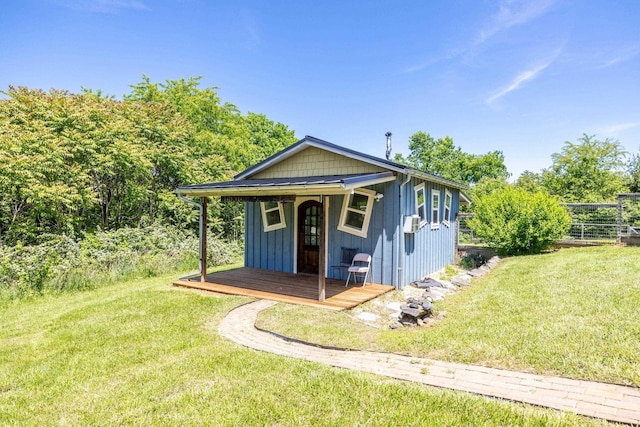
{"x":286,"y":287}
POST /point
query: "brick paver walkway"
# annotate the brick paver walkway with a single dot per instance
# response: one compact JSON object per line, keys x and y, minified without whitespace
{"x":609,"y":401}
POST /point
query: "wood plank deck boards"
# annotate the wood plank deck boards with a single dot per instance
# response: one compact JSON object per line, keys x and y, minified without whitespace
{"x":286,"y":287}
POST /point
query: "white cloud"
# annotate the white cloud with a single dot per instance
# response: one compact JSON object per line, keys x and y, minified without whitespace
{"x":512,"y":13}
{"x":623,"y":55}
{"x":523,"y":77}
{"x":516,"y":83}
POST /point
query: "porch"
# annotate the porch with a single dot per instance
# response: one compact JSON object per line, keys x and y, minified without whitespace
{"x":286,"y":287}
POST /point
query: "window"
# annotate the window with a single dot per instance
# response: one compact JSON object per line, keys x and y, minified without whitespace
{"x":435,"y":209}
{"x":446,"y":215}
{"x":272,"y":216}
{"x":421,"y":203}
{"x":356,"y":212}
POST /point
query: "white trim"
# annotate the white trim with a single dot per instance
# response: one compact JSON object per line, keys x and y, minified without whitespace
{"x":446,"y":212}
{"x":275,"y":226}
{"x":367,"y":213}
{"x":464,"y":200}
{"x":423,"y":217}
{"x":309,"y":141}
{"x":435,"y":209}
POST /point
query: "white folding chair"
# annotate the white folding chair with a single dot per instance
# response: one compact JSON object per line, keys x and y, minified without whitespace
{"x":360,"y":265}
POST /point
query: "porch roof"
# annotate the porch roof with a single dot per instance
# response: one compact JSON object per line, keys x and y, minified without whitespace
{"x":308,"y":185}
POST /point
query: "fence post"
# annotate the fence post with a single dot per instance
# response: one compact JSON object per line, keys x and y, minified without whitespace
{"x":619,"y":233}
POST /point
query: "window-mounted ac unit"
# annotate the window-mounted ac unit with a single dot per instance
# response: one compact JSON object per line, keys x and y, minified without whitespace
{"x":411,"y":224}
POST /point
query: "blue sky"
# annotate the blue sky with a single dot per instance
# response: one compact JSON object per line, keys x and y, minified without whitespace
{"x":517,"y":76}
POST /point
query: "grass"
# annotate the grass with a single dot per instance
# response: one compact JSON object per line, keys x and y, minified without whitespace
{"x":571,"y":313}
{"x":145,"y":353}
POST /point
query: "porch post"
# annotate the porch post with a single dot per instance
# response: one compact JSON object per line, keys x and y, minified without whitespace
{"x":203,"y":241}
{"x":323,"y":244}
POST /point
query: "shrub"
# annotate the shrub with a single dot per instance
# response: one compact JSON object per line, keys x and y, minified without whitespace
{"x":516,"y":222}
{"x":471,"y":261}
{"x":59,"y":263}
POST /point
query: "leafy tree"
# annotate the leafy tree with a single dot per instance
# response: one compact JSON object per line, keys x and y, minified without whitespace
{"x":69,"y":160}
{"x":220,"y":127}
{"x":530,"y":181}
{"x":486,"y":186}
{"x":634,"y":173}
{"x":517,"y":222}
{"x":71,"y":163}
{"x":441,"y":157}
{"x":588,"y":171}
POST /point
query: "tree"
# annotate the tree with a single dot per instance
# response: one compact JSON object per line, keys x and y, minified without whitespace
{"x":69,"y":159}
{"x":530,"y":181}
{"x":70,"y":163}
{"x":516,"y":222}
{"x":441,"y":157}
{"x":588,"y":171}
{"x":220,"y":127}
{"x":633,"y":170}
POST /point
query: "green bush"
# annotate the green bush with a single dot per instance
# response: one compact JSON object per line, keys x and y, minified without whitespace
{"x":59,"y":263}
{"x":516,"y":222}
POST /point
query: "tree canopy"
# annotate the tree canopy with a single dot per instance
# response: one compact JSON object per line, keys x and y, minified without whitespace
{"x":590,"y":170}
{"x":74,"y":162}
{"x":441,"y":157}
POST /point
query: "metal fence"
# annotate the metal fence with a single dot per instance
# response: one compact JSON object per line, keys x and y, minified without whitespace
{"x":465,"y":234}
{"x":605,"y":222}
{"x":590,"y":222}
{"x":593,"y":222}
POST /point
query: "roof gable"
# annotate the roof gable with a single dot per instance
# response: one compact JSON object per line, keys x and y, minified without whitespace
{"x":367,"y":163}
{"x":313,"y":161}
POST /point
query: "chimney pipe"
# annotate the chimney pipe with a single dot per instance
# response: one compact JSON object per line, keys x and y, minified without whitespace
{"x":388,"y":135}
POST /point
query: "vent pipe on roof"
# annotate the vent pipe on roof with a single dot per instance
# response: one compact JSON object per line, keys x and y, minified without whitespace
{"x":388,"y":135}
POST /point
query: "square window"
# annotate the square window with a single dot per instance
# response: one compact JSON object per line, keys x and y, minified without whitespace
{"x":356,"y":212}
{"x":272,"y":216}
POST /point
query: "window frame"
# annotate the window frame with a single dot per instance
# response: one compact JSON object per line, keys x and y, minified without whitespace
{"x":342,"y":226}
{"x":446,"y":213}
{"x":435,"y":209}
{"x":275,"y":226}
{"x":416,"y":190}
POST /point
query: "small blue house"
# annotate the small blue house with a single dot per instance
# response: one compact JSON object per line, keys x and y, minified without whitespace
{"x":313,"y":204}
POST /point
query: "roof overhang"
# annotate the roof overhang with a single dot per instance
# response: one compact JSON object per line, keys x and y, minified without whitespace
{"x":464,"y":200}
{"x":300,"y":186}
{"x":310,"y":141}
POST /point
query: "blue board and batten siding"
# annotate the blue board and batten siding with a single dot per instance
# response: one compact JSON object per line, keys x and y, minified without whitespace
{"x":273,"y":250}
{"x":424,"y":252}
{"x":428,"y":250}
{"x":380,"y":236}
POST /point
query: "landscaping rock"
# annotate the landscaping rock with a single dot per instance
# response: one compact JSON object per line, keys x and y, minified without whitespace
{"x":413,"y":310}
{"x":493,"y":261}
{"x":367,"y":317}
{"x":448,"y":285}
{"x":395,"y":325}
{"x":477,"y":272}
{"x":427,"y":283}
{"x":461,"y":280}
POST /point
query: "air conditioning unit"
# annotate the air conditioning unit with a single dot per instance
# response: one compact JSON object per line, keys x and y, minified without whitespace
{"x":411,"y":224}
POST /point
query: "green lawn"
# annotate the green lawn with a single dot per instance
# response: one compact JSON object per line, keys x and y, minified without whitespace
{"x":146,"y":353}
{"x":572,"y":313}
